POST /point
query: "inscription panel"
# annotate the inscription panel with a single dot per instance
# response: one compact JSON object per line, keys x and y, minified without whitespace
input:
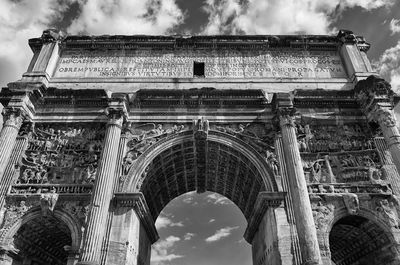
{"x":217,"y":64}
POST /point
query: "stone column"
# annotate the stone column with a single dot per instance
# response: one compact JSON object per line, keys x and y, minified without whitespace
{"x":10,"y":170}
{"x":102,"y":193}
{"x":302,"y":209}
{"x":13,"y":118}
{"x":376,"y":100}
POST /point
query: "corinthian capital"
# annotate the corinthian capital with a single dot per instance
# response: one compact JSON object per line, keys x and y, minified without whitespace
{"x":383,"y":116}
{"x":115,"y":115}
{"x":373,"y":91}
{"x":13,"y":117}
{"x":286,"y":116}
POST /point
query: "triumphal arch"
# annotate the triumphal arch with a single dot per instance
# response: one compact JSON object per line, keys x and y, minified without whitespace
{"x":102,"y":132}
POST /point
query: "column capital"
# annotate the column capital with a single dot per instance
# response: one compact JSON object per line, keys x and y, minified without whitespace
{"x":383,"y":116}
{"x":117,"y":110}
{"x":374,"y":92}
{"x":286,"y":116}
{"x":13,"y":117}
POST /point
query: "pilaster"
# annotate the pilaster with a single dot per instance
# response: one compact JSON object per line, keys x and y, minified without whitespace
{"x":102,"y":193}
{"x":298,"y":187}
{"x":132,"y":231}
{"x":269,"y":232}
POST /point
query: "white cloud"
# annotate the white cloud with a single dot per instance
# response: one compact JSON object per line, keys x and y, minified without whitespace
{"x":279,"y":17}
{"x":161,"y":250}
{"x":127,"y":17}
{"x":217,"y":199}
{"x":221,"y":233}
{"x":388,"y":66}
{"x":189,"y":198}
{"x":211,"y":220}
{"x":395,"y":26}
{"x":188,"y":236}
{"x":24,"y":19}
{"x":164,"y":221}
{"x":20,"y":21}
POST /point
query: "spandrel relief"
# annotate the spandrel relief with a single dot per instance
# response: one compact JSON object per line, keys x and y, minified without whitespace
{"x":260,"y":136}
{"x":141,"y":136}
{"x":61,"y":154}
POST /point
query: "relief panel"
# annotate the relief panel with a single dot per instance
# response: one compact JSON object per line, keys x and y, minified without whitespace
{"x":59,"y":154}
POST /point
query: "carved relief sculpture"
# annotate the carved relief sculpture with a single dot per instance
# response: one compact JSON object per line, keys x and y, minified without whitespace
{"x":59,"y":155}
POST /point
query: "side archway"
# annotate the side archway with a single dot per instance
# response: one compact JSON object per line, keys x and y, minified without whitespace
{"x":361,"y":239}
{"x":42,"y":239}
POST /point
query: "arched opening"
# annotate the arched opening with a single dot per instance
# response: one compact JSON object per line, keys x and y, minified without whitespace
{"x":216,"y":167}
{"x":42,"y":240}
{"x":204,"y":160}
{"x":204,"y":228}
{"x":358,"y":240}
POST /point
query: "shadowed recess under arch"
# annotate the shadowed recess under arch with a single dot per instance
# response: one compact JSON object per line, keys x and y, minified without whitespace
{"x":358,"y":240}
{"x":44,"y":240}
{"x":220,"y":168}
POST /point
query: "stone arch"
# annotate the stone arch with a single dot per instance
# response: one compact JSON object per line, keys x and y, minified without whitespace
{"x":35,"y":213}
{"x":360,"y":238}
{"x":181,"y":146}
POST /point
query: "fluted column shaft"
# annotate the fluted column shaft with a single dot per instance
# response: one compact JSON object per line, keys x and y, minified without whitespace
{"x":102,"y":193}
{"x":8,"y":134}
{"x":298,"y":187}
{"x":387,"y":122}
{"x":7,"y":179}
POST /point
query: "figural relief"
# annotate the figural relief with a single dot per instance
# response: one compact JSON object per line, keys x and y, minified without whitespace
{"x":338,"y":154}
{"x":60,"y":154}
{"x":142,"y":136}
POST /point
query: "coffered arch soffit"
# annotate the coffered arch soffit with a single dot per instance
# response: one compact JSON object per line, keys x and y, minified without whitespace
{"x":223,"y":153}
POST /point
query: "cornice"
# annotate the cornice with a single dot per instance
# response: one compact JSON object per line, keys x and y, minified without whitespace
{"x":264,"y":201}
{"x":138,"y":203}
{"x":314,"y":98}
{"x":308,"y":42}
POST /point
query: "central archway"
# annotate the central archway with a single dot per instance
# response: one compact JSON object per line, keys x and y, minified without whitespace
{"x":204,"y":160}
{"x":223,"y":164}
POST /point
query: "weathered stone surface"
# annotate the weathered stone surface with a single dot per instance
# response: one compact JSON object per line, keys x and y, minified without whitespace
{"x":80,"y":185}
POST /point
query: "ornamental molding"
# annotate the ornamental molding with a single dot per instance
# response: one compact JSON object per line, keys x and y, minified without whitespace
{"x":13,"y":117}
{"x":374,"y":92}
{"x":265,"y":200}
{"x":329,"y":43}
{"x":137,"y":202}
{"x":287,"y":116}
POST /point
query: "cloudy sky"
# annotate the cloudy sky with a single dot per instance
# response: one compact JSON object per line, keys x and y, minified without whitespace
{"x":200,"y":229}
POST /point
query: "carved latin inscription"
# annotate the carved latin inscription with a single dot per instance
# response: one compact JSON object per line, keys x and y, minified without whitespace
{"x":218,"y":64}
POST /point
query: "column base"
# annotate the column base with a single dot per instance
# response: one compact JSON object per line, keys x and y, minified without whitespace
{"x":88,"y":263}
{"x":312,"y":262}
